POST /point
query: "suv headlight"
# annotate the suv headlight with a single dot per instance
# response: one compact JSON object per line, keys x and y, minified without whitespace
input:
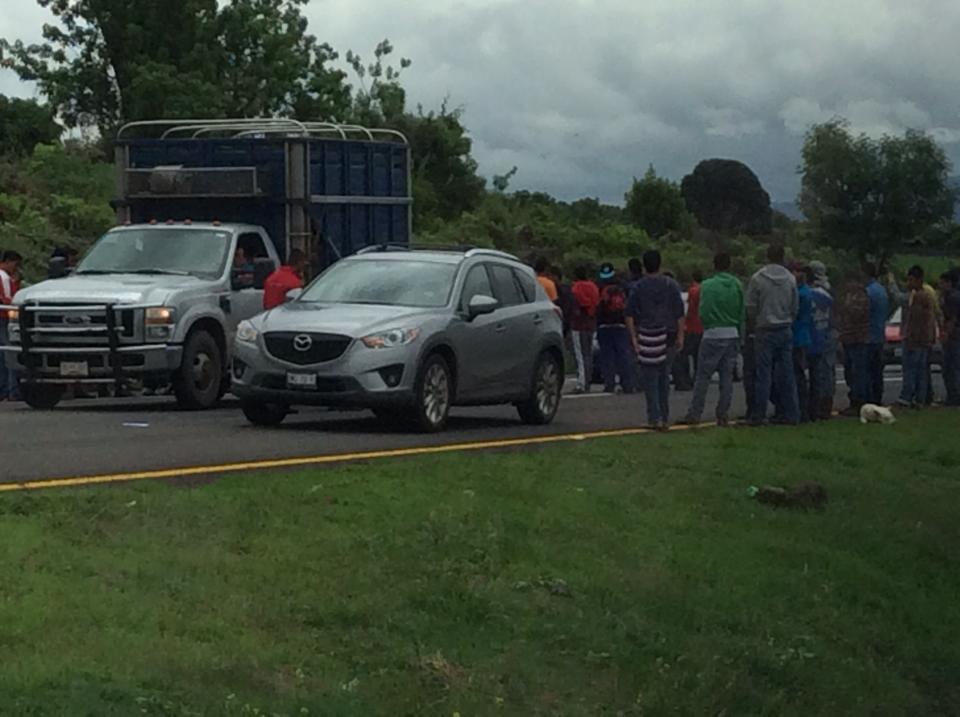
{"x":391,"y":339}
{"x":247,"y":333}
{"x":158,"y":322}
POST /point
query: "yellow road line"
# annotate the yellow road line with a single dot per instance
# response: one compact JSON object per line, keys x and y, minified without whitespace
{"x":192,"y":471}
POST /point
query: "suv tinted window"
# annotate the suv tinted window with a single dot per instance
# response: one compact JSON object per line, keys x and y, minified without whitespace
{"x":506,"y":286}
{"x":477,"y":283}
{"x":528,"y":285}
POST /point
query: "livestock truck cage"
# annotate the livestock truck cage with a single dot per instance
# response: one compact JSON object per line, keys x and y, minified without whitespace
{"x":327,"y":189}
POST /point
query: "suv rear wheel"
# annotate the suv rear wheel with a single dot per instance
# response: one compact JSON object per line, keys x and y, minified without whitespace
{"x":541,"y":407}
{"x":198,"y":381}
{"x":260,"y":413}
{"x":434,"y":394}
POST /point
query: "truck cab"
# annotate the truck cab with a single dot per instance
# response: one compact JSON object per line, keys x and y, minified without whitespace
{"x":206,"y":211}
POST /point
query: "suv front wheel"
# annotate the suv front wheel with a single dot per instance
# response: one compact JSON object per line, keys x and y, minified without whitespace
{"x":434,"y":394}
{"x":541,"y":407}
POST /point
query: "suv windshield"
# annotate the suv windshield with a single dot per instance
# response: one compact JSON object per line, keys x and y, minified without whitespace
{"x":160,"y":250}
{"x":421,"y":284}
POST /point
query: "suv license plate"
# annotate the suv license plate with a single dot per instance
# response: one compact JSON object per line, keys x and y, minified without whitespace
{"x":74,"y":369}
{"x":302,"y":380}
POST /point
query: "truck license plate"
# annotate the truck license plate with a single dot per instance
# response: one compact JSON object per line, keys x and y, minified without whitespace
{"x":74,"y":369}
{"x":302,"y":380}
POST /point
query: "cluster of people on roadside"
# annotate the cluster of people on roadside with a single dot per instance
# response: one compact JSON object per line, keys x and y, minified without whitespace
{"x":792,"y":327}
{"x":9,"y":285}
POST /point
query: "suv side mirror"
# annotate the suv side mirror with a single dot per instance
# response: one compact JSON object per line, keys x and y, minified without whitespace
{"x":480,"y":305}
{"x":293,"y":295}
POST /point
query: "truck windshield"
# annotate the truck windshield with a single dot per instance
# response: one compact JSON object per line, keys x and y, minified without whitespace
{"x":421,"y":284}
{"x":159,"y":250}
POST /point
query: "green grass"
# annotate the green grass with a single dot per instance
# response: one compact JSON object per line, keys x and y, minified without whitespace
{"x":625,"y":576}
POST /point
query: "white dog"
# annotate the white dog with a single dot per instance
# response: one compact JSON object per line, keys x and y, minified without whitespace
{"x":871,"y":413}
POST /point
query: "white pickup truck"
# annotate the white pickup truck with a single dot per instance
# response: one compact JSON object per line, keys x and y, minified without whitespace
{"x":149,"y":304}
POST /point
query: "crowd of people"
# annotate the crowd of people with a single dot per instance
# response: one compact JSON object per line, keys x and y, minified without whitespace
{"x":791,"y":325}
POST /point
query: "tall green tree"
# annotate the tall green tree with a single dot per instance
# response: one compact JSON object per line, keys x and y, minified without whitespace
{"x":656,"y":205}
{"x":726,"y":196}
{"x":24,"y":124}
{"x":870,"y":195}
{"x":109,"y":61}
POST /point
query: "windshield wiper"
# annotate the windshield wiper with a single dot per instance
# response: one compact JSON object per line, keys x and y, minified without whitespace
{"x":96,"y":272}
{"x":166,"y":272}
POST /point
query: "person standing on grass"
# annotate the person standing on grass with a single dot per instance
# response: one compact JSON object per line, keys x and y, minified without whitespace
{"x":583,"y":326}
{"x":772,"y":305}
{"x":9,"y":268}
{"x":903,"y":299}
{"x":566,"y":303}
{"x":920,"y":334}
{"x":802,"y":337}
{"x":879,"y":314}
{"x":542,"y":267}
{"x":616,"y":357}
{"x":693,"y":330}
{"x":655,"y":322}
{"x":950,"y":337}
{"x":821,"y":350}
{"x":721,"y":313}
{"x":854,"y":336}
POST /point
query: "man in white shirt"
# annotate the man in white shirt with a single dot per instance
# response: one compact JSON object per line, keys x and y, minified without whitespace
{"x":9,"y":266}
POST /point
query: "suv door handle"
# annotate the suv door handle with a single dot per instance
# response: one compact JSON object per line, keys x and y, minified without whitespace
{"x":500,"y":328}
{"x":537,"y":319}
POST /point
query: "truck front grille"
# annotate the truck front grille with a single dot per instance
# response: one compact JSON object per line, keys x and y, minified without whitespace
{"x":304,"y":348}
{"x":67,"y":324}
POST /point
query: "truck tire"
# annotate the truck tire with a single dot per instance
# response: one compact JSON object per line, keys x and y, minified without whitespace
{"x":40,"y":397}
{"x":433,"y":396}
{"x":260,"y":413}
{"x":541,"y":407}
{"x":198,"y":380}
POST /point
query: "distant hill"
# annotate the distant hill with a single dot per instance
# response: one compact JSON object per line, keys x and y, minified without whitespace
{"x":790,"y":209}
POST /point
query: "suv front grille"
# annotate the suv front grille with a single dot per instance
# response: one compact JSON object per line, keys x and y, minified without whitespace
{"x":293,"y":347}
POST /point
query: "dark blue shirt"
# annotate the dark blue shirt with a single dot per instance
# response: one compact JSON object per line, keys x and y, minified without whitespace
{"x":879,"y":311}
{"x":656,"y":302}
{"x":803,"y":325}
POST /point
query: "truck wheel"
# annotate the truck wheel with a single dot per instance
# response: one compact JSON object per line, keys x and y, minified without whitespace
{"x":260,"y":413}
{"x":434,"y":394}
{"x":541,"y":407}
{"x":43,"y":398}
{"x":198,"y":380}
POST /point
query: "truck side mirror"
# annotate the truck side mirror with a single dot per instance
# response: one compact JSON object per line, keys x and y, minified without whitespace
{"x":262,"y":268}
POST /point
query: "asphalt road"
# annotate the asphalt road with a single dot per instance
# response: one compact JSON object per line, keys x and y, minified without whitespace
{"x":100,"y":437}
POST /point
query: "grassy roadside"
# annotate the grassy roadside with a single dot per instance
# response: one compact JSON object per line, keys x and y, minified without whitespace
{"x":628,"y":576}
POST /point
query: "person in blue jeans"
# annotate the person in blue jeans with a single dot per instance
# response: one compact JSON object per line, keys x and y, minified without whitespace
{"x":821,"y":350}
{"x":920,"y":334}
{"x":655,"y":322}
{"x":879,"y":313}
{"x":617,"y":358}
{"x":772,"y":304}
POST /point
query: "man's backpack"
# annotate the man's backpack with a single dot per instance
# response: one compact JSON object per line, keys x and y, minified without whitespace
{"x":614,"y":299}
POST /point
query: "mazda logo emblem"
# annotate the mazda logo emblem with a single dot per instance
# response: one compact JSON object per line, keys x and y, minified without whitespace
{"x":302,"y":342}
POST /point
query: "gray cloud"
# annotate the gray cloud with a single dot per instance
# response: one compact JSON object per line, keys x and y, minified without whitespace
{"x":582,"y":95}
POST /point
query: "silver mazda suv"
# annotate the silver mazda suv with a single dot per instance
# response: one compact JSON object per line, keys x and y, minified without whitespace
{"x":407,"y":333}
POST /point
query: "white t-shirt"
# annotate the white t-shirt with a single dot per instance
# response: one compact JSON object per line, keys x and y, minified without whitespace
{"x":6,"y":287}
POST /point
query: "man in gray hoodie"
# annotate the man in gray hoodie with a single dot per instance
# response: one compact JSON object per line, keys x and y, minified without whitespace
{"x":772,"y":304}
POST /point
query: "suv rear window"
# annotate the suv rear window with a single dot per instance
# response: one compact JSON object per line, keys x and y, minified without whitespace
{"x":505,"y":285}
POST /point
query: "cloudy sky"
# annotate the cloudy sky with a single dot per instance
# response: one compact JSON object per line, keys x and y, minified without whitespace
{"x":582,"y":95}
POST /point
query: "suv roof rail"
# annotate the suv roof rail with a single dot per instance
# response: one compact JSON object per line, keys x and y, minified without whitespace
{"x":467,"y":251}
{"x":481,"y":251}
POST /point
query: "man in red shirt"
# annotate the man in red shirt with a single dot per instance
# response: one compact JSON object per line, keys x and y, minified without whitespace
{"x":693,"y":334}
{"x":583,"y":325}
{"x":284,"y":279}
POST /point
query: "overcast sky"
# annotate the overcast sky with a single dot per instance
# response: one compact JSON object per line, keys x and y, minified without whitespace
{"x":582,"y":95}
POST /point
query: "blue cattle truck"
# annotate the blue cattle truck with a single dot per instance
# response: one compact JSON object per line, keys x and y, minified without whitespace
{"x":206,"y":211}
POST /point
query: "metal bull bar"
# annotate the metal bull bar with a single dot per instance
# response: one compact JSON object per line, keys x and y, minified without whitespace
{"x":31,"y":350}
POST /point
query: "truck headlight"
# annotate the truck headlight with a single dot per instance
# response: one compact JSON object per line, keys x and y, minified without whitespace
{"x":247,"y":333}
{"x":391,"y":339}
{"x":13,"y":325}
{"x":158,"y":321}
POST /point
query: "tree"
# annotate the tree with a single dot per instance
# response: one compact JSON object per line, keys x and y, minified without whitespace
{"x":656,"y":205}
{"x":726,"y":196}
{"x":112,"y":61}
{"x":24,"y":124}
{"x":872,"y":195}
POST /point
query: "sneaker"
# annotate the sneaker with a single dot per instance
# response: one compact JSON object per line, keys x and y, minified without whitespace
{"x":688,"y":421}
{"x":904,"y":404}
{"x":723,"y":422}
{"x":662,"y":427}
